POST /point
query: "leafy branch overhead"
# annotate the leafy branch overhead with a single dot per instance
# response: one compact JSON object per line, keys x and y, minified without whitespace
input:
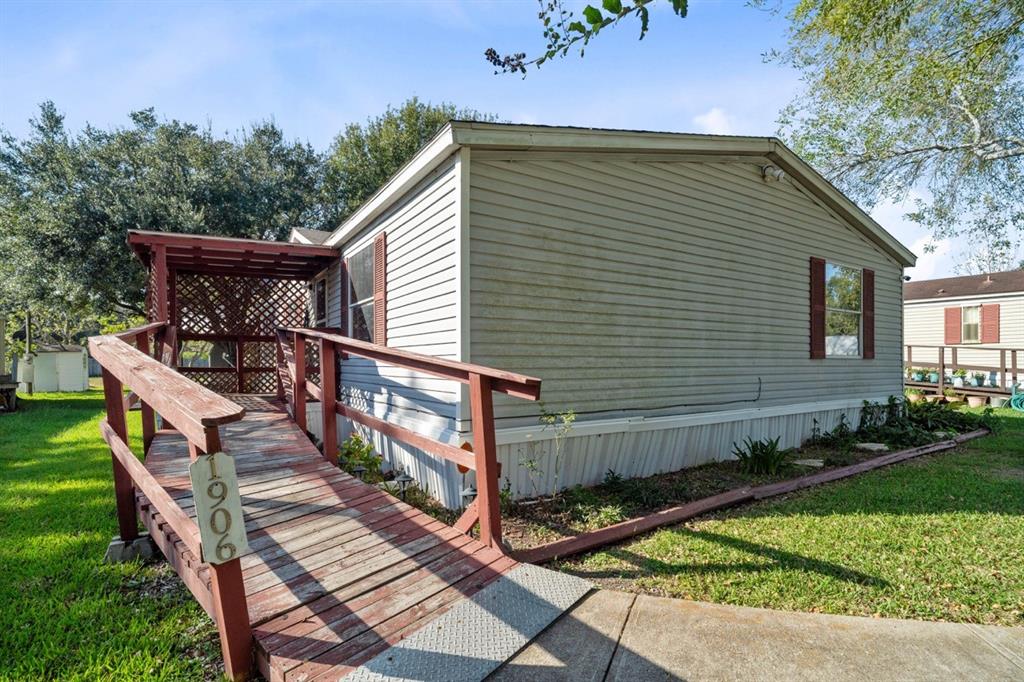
{"x":563,"y":31}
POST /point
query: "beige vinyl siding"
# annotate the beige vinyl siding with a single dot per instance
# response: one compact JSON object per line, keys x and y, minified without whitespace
{"x":638,"y":288}
{"x":421,"y":308}
{"x":924,"y":324}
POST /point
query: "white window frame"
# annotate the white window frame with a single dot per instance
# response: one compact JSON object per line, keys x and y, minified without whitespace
{"x":858,"y":313}
{"x":963,"y":324}
{"x":352,"y":305}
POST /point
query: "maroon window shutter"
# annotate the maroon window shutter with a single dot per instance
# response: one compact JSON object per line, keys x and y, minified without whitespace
{"x":954,"y":326}
{"x":868,"y":303}
{"x":380,"y":297}
{"x":817,"y":308}
{"x":990,"y":323}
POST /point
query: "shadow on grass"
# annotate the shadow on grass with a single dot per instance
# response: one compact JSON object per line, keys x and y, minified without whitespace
{"x":777,"y":558}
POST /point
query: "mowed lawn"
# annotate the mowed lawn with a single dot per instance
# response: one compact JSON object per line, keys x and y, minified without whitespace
{"x":937,"y":538}
{"x":64,"y":614}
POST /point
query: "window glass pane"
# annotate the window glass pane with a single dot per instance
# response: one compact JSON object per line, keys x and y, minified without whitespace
{"x":321,"y":299}
{"x":362,"y":321}
{"x":360,"y":275}
{"x":842,"y":287}
{"x":842,"y":333}
{"x":971,"y":324}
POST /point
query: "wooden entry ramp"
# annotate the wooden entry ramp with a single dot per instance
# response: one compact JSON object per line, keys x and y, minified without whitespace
{"x":339,"y":571}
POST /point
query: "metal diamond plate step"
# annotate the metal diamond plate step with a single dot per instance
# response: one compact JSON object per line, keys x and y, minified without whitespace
{"x":476,"y":636}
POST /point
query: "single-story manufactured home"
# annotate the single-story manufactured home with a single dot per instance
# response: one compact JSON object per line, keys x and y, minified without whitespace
{"x":675,"y":293}
{"x":980,"y":318}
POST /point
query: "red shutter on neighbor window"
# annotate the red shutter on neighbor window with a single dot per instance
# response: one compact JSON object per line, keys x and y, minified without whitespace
{"x":954,"y":327}
{"x":868,"y":303}
{"x":990,"y":323}
{"x":817,"y":308}
{"x":380,"y":297}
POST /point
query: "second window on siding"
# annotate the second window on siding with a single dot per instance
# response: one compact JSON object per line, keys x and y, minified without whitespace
{"x":360,"y":294}
{"x":971,"y":321}
{"x":843,"y":310}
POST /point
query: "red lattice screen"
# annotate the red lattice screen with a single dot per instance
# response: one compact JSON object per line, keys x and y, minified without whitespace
{"x":238,"y":310}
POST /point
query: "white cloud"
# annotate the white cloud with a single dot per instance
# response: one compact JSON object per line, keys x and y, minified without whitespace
{"x":714,"y":121}
{"x":931,"y":265}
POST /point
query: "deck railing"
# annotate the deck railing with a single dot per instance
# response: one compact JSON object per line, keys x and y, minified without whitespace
{"x":483,"y":382}
{"x":946,"y":358}
{"x":195,"y":412}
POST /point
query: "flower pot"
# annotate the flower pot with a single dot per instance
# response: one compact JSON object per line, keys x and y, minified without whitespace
{"x":997,"y":401}
{"x":917,"y":376}
{"x":958,"y":382}
{"x":934,"y":398}
{"x":975,"y":383}
{"x":976,"y":400}
{"x":914,"y":397}
{"x":933,"y":377}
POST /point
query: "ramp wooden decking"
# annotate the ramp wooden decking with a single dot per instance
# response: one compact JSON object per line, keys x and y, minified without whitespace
{"x":338,"y":571}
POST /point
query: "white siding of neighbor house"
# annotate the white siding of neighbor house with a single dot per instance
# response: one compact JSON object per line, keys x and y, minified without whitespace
{"x":422,"y":315}
{"x":639,"y":288}
{"x":924,"y":324}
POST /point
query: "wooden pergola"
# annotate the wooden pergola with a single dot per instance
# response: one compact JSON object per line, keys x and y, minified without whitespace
{"x":231,"y":293}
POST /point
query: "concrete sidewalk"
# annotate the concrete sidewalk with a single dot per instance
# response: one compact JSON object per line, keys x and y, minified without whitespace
{"x":618,"y":636}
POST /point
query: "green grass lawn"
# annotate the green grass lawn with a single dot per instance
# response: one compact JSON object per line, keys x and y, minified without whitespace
{"x":63,"y":612}
{"x":937,"y":538}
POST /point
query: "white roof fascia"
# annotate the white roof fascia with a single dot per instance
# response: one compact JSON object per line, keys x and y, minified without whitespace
{"x":417,"y":168}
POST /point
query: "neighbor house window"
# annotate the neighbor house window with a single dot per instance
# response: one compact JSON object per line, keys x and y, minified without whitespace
{"x":971,"y":324}
{"x":843,"y":311}
{"x":360,"y":294}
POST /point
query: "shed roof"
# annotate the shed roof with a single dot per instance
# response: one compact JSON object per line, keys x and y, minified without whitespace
{"x":1011,"y":281}
{"x":505,"y":136}
{"x":229,"y":256}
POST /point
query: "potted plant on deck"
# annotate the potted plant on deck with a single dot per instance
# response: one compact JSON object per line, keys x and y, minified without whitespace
{"x":976,"y":400}
{"x":916,"y":374}
{"x":914,"y":395}
{"x":933,"y":376}
{"x":980,"y":379}
{"x":959,"y":377}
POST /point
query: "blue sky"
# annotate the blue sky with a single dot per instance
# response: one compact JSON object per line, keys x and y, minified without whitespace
{"x":315,"y":66}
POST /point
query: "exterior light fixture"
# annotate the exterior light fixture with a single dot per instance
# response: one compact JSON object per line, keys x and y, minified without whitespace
{"x":359,"y":471}
{"x":468,"y":494}
{"x":403,"y":480}
{"x":772,"y":173}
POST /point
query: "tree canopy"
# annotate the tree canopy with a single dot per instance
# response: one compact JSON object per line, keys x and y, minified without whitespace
{"x":364,"y":156}
{"x":917,"y":99}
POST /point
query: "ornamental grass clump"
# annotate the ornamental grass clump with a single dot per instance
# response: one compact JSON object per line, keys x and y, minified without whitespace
{"x":760,"y":456}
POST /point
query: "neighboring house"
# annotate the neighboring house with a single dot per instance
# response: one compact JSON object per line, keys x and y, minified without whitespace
{"x":677,"y":293}
{"x":978,"y":314}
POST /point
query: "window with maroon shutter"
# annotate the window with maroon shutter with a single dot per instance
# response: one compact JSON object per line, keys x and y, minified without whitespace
{"x":990,"y":323}
{"x":380,"y":298}
{"x":953,"y":329}
{"x":843,"y":293}
{"x":817,"y":308}
{"x":359,"y":267}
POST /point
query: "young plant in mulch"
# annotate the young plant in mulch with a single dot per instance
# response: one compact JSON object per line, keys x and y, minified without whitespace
{"x":760,"y":456}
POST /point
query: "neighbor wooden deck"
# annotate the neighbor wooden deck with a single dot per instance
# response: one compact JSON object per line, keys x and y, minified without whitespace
{"x":337,"y":570}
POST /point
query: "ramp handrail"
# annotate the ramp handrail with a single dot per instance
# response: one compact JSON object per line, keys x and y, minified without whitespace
{"x":482,"y":382}
{"x":197,"y":413}
{"x":1007,"y":371}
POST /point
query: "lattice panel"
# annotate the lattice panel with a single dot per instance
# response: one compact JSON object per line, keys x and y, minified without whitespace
{"x":313,"y":362}
{"x":218,"y":382}
{"x":151,"y":284}
{"x":259,"y":354}
{"x":245,"y":306}
{"x":260,"y":382}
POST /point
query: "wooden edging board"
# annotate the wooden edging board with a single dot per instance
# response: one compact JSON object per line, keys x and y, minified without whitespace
{"x":627,"y":529}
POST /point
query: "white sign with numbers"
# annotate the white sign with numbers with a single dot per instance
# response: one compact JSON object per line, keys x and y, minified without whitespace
{"x":218,"y":508}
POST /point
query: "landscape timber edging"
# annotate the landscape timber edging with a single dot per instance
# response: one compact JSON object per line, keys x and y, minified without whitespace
{"x":626,"y":529}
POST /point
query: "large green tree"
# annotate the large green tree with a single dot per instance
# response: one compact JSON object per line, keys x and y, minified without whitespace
{"x":66,"y":202}
{"x":917,"y":99}
{"x":364,"y":156}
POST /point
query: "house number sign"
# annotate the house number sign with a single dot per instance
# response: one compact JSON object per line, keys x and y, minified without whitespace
{"x":218,"y":508}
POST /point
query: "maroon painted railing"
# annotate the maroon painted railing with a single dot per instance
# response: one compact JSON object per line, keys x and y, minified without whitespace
{"x":197,"y":413}
{"x":943,"y":358}
{"x":483,"y":382}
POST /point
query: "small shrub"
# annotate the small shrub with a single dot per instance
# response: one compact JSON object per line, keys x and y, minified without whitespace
{"x":356,"y":451}
{"x":605,"y":516}
{"x":612,"y":480}
{"x":760,"y":456}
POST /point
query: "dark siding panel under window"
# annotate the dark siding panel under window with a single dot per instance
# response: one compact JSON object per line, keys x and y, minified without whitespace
{"x":868,"y":298}
{"x":817,"y":308}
